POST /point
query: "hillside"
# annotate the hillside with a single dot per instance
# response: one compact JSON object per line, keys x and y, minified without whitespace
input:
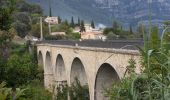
{"x":104,"y":11}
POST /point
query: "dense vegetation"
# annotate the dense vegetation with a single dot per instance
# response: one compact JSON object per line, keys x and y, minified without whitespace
{"x":18,"y":68}
{"x":117,"y":32}
{"x":153,"y":82}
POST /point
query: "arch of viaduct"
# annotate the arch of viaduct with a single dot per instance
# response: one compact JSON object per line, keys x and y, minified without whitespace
{"x":96,"y":67}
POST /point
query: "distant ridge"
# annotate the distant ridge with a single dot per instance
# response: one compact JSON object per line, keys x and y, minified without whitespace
{"x":105,"y":11}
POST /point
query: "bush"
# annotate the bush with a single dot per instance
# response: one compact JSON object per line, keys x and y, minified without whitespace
{"x":35,"y":91}
{"x":22,"y":67}
{"x":73,"y":36}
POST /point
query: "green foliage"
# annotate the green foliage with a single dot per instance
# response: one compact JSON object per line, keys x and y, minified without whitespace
{"x":63,"y":27}
{"x":5,"y":19}
{"x":62,"y":92}
{"x":120,"y":32}
{"x":21,"y":28}
{"x":79,"y":92}
{"x":72,"y":22}
{"x":35,"y":30}
{"x":11,"y":94}
{"x":153,"y":82}
{"x":131,"y":67}
{"x":154,"y":38}
{"x":140,"y":30}
{"x":111,"y":36}
{"x":35,"y":91}
{"x":76,"y":91}
{"x":24,"y":69}
{"x":115,"y":27}
{"x":73,"y":36}
{"x":107,"y":30}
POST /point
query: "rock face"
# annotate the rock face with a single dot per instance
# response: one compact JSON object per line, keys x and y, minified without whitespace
{"x":104,"y":11}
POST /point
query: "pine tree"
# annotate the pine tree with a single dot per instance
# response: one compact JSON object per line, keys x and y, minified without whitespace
{"x":72,"y":22}
{"x":82,"y":28}
{"x":92,"y":24}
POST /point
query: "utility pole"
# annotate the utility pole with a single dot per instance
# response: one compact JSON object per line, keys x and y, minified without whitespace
{"x":41,"y":30}
{"x":49,"y":26}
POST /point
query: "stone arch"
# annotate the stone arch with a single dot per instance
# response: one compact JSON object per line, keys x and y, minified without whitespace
{"x":105,"y":77}
{"x":78,"y":71}
{"x":60,"y":72}
{"x":48,"y":63}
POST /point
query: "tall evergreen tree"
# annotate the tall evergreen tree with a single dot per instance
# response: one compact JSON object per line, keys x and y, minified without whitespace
{"x":72,"y":22}
{"x":82,"y":28}
{"x":50,"y":10}
{"x":115,"y":27}
{"x":78,"y":22}
{"x":92,"y":24}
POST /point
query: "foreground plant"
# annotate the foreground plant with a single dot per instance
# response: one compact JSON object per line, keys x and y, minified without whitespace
{"x":154,"y":81}
{"x":9,"y":93}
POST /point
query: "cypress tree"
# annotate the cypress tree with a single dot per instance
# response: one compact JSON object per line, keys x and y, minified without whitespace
{"x":78,"y":22}
{"x":50,"y":12}
{"x":72,"y":22}
{"x":92,"y":24}
{"x":115,"y":27}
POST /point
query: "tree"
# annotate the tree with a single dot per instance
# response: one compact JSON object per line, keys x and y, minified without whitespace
{"x":92,"y":24}
{"x":50,"y":11}
{"x":5,"y":24}
{"x":5,"y":19}
{"x":21,"y":28}
{"x":82,"y":28}
{"x":24,"y":69}
{"x":111,"y":36}
{"x":115,"y":27}
{"x":78,"y":22}
{"x":72,"y":22}
{"x":35,"y":30}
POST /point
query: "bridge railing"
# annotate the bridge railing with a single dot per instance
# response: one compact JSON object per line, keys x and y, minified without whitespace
{"x":121,"y":44}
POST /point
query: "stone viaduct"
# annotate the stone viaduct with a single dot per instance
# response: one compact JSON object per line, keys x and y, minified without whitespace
{"x":97,"y":64}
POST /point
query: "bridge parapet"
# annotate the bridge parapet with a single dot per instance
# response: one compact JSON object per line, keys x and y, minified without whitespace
{"x":128,"y":44}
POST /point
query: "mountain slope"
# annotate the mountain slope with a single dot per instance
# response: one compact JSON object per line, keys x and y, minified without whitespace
{"x":104,"y":11}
